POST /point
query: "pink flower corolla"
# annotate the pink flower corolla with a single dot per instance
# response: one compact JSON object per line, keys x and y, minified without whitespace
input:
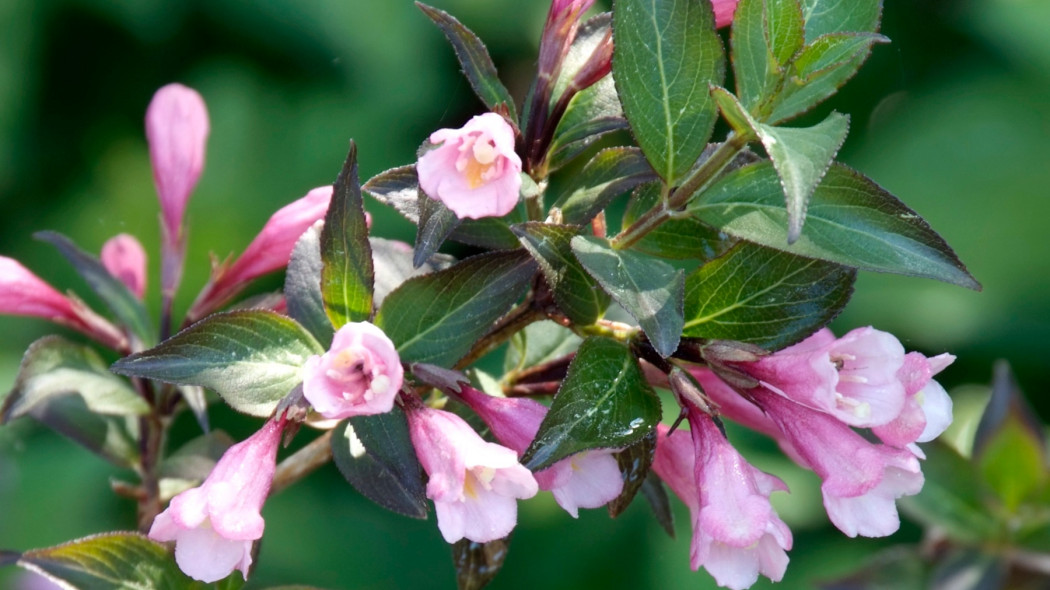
{"x":474,"y":484}
{"x":736,"y":533}
{"x":473,"y":170}
{"x":125,"y":259}
{"x":177,"y":128}
{"x":584,"y":480}
{"x":360,"y":374}
{"x":927,"y":409}
{"x":724,"y":11}
{"x":214,"y":525}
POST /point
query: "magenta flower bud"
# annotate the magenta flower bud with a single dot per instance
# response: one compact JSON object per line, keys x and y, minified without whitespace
{"x":125,"y":259}
{"x":473,"y":170}
{"x":724,"y":11}
{"x":24,"y":293}
{"x":214,"y":525}
{"x":474,"y":484}
{"x":360,"y":374}
{"x":177,"y":129}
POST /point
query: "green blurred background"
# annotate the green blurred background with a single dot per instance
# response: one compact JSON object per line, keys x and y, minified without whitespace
{"x":953,"y":117}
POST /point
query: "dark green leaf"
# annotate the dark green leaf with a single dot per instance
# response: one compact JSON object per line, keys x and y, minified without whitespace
{"x":766,"y":35}
{"x":302,"y":286}
{"x":474,"y":59}
{"x":588,"y":38}
{"x":764,"y":296}
{"x":665,"y":56}
{"x":436,"y":223}
{"x":655,"y":493}
{"x":478,"y":563}
{"x":840,"y":16}
{"x":610,"y":173}
{"x":393,"y":266}
{"x":678,"y":237}
{"x":575,"y":292}
{"x":539,"y":343}
{"x":648,"y":288}
{"x":953,"y":497}
{"x":346,"y":277}
{"x":897,"y":568}
{"x":592,"y":113}
{"x":436,"y":318}
{"x":125,"y":306}
{"x":375,"y":455}
{"x":55,"y":367}
{"x":851,"y":221}
{"x":110,"y":561}
{"x":604,"y":402}
{"x":250,"y":358}
{"x":197,"y":402}
{"x":110,"y":437}
{"x":634,"y":462}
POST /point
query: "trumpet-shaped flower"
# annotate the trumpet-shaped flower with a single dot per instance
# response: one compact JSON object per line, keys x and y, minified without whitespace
{"x":125,"y":259}
{"x":360,"y":374}
{"x":215,"y":524}
{"x":177,"y":128}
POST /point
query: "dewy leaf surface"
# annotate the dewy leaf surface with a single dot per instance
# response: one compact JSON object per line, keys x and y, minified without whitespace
{"x":347,"y":276}
{"x":666,"y":54}
{"x":575,"y":292}
{"x":764,"y":296}
{"x":250,"y":358}
{"x":851,"y":221}
{"x":604,"y":402}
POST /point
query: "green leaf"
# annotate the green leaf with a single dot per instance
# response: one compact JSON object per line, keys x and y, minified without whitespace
{"x":125,"y":306}
{"x":54,"y":367}
{"x":375,"y":454}
{"x":436,"y":222}
{"x":634,"y":463}
{"x":972,"y":568}
{"x":648,"y":288}
{"x":302,"y":286}
{"x":394,"y":265}
{"x":110,"y":561}
{"x":763,"y":296}
{"x":766,"y":34}
{"x":678,"y":237}
{"x":589,"y":35}
{"x":347,"y":277}
{"x":656,"y":495}
{"x":604,"y":402}
{"x":851,"y":221}
{"x":838,"y":16}
{"x":575,"y":292}
{"x":610,"y":173}
{"x":110,"y":437}
{"x":196,"y":459}
{"x":592,"y":113}
{"x":478,"y":563}
{"x":436,"y":318}
{"x":474,"y":59}
{"x":665,"y":56}
{"x":953,"y":497}
{"x":250,"y":358}
{"x":900,"y":567}
{"x":539,"y":343}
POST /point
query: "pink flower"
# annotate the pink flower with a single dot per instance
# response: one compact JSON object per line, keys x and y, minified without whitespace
{"x":360,"y":374}
{"x":474,"y":484}
{"x":736,"y":533}
{"x":124,"y":258}
{"x":724,"y":11}
{"x":474,"y":170}
{"x":214,"y":525}
{"x":585,"y":480}
{"x":927,"y":409}
{"x":177,"y":129}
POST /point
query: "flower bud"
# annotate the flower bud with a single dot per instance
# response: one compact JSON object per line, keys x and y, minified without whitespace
{"x":125,"y":259}
{"x":177,"y":128}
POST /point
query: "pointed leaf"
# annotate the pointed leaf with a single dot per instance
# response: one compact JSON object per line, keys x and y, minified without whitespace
{"x":436,"y":318}
{"x":766,"y":34}
{"x":109,"y":437}
{"x":347,"y":276}
{"x":575,"y":292}
{"x":592,"y":113}
{"x":474,"y":58}
{"x":610,"y":173}
{"x":393,"y":266}
{"x":478,"y":563}
{"x":648,"y":288}
{"x":302,"y":286}
{"x":604,"y":402}
{"x":763,"y":296}
{"x":851,"y":221}
{"x":436,"y":222}
{"x":666,"y":53}
{"x":656,"y":494}
{"x":634,"y":463}
{"x":197,"y":402}
{"x":375,"y":455}
{"x":838,"y":16}
{"x":678,"y":237}
{"x":250,"y":358}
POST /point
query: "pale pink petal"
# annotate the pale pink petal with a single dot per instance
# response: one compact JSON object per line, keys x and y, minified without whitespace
{"x":591,"y":479}
{"x":359,"y":375}
{"x":177,"y":129}
{"x":937,"y":407}
{"x":204,"y":555}
{"x":125,"y":259}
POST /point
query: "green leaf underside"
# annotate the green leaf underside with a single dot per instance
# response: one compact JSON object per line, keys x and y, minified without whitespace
{"x":538,"y":343}
{"x":610,"y":173}
{"x":436,"y":318}
{"x":436,"y":223}
{"x":110,"y":561}
{"x":656,"y":495}
{"x":250,"y":358}
{"x":604,"y":402}
{"x":375,"y":455}
{"x":393,"y":264}
{"x":764,"y":296}
{"x":347,"y":275}
{"x":678,"y":237}
{"x":575,"y":292}
{"x":835,"y":16}
{"x":114,"y":293}
{"x":107,"y":436}
{"x":648,"y":288}
{"x":54,"y":367}
{"x":634,"y":463}
{"x":474,"y":58}
{"x":666,"y":53}
{"x":851,"y":221}
{"x":765,"y":36}
{"x":302,"y":286}
{"x":478,"y":563}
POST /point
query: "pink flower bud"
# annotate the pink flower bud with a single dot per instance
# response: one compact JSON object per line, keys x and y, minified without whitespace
{"x":474,"y":170}
{"x":724,"y":10}
{"x":474,"y":484}
{"x":360,"y":374}
{"x":214,"y":525}
{"x":177,"y":129}
{"x":24,"y":293}
{"x":124,"y":258}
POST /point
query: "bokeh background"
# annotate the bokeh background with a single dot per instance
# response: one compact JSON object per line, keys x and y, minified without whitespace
{"x":953,"y":117}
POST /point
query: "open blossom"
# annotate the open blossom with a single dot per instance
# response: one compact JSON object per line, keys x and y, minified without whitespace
{"x":125,"y":259}
{"x":736,"y":533}
{"x":474,"y":484}
{"x":927,"y":408}
{"x":177,"y":128}
{"x":473,"y":170}
{"x":215,"y":524}
{"x":585,"y":480}
{"x":360,"y":374}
